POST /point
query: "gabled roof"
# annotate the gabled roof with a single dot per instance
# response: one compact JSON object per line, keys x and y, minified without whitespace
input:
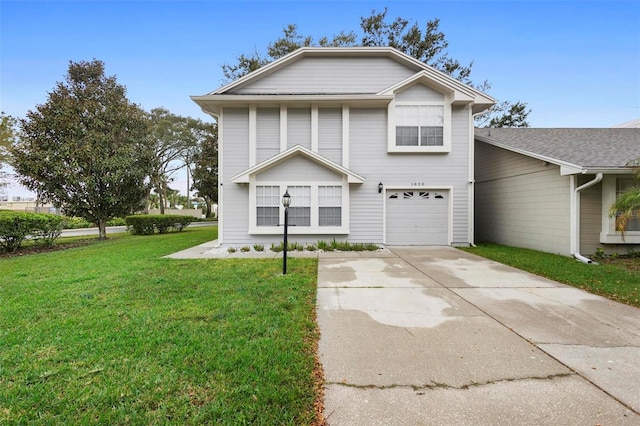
{"x":585,"y":150}
{"x":292,"y":152}
{"x":460,"y":93}
{"x":212,"y":101}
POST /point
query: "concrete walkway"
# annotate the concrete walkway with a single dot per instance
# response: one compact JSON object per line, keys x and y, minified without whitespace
{"x":436,"y":336}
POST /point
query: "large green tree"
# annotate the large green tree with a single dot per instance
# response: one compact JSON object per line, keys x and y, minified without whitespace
{"x":427,"y":44}
{"x":174,"y":139}
{"x":86,"y":148}
{"x":205,"y":170}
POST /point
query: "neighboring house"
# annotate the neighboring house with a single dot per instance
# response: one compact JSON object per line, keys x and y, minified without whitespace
{"x":371,"y":144}
{"x":551,"y":189}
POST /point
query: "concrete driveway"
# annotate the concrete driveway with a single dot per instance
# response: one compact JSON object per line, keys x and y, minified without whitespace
{"x":434,"y":335}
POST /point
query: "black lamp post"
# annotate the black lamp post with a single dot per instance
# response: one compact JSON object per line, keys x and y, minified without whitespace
{"x":286,"y":202}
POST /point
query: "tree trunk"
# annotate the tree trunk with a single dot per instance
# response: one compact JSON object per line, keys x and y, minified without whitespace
{"x":161,"y":198}
{"x":102,"y":229}
{"x":207,"y":202}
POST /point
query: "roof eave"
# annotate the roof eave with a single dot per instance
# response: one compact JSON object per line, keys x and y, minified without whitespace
{"x":212,"y":104}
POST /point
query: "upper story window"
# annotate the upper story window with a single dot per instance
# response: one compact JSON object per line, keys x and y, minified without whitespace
{"x":415,"y":127}
{"x":419,"y":125}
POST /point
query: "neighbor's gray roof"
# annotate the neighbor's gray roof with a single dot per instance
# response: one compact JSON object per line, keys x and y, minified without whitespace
{"x":633,"y":123}
{"x":586,"y":148}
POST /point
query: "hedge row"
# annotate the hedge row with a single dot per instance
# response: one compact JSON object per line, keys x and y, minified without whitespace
{"x":162,"y":223}
{"x":16,"y":226}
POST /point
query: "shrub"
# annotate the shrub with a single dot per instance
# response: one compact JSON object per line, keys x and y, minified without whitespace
{"x":277,"y":248}
{"x":258,"y":247}
{"x":76,"y":223}
{"x":117,"y":221}
{"x":163,"y":223}
{"x":15,"y":227}
{"x":245,"y":249}
{"x":49,"y":228}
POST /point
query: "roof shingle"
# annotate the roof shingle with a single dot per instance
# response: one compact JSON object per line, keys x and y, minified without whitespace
{"x":584,"y":147}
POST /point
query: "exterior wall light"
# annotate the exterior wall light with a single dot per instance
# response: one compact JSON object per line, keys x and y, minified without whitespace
{"x":380,"y":186}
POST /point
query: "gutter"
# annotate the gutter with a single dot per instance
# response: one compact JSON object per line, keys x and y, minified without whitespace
{"x":575,"y":230}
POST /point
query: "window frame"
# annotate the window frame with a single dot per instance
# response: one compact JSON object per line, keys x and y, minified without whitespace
{"x":314,"y":227}
{"x":608,"y":234}
{"x":446,"y":128}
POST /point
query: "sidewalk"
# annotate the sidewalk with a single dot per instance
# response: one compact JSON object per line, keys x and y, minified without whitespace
{"x":438,"y":336}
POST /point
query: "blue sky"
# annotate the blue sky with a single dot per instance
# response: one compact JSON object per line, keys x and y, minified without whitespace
{"x":576,"y":63}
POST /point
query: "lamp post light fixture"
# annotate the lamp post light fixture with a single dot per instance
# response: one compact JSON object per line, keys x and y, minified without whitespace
{"x":286,"y":202}
{"x":380,"y":186}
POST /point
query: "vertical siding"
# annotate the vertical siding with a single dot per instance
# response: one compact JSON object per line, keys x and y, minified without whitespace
{"x":520,"y":201}
{"x":267,"y":133}
{"x":330,"y":133}
{"x":331,"y":75}
{"x":235,"y":160}
{"x":299,"y":127}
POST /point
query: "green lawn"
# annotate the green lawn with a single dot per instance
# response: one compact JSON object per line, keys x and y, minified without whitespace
{"x":111,"y":333}
{"x":615,"y":281}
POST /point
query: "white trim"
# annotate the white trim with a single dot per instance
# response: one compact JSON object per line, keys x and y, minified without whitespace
{"x":448,"y":188}
{"x":283,"y":127}
{"x":244,"y":176}
{"x":253,"y":132}
{"x":446,"y":129}
{"x":471,"y":195}
{"x":220,"y":178}
{"x":345,"y":135}
{"x":315,"y":228}
{"x":608,"y":233}
{"x":314,"y":127}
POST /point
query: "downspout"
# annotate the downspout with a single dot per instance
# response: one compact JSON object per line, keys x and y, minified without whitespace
{"x":575,"y":230}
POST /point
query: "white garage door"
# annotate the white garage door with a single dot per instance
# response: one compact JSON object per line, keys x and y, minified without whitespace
{"x":417,"y":217}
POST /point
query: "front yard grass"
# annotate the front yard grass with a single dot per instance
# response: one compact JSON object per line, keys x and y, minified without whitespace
{"x":617,"y":281}
{"x":112,"y":333}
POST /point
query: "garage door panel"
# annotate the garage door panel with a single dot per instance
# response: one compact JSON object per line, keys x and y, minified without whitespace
{"x":417,"y":217}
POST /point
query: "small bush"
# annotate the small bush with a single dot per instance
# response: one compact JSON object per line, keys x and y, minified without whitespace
{"x":162,"y":223}
{"x":73,"y":222}
{"x":311,"y":247}
{"x":245,"y":249}
{"x":117,"y":221}
{"x":277,"y":248}
{"x":258,"y":247}
{"x":232,"y":250}
{"x":15,"y":227}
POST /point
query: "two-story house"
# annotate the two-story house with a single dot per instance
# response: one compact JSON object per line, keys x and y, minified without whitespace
{"x":371,"y":144}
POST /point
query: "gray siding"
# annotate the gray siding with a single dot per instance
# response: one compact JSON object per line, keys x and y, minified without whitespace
{"x":267,"y":133}
{"x":235,"y":139}
{"x":419,"y":93}
{"x":331,"y":75}
{"x":369,"y":158}
{"x":298,"y":169}
{"x":330,"y":133}
{"x":299,"y":127}
{"x":520,"y":201}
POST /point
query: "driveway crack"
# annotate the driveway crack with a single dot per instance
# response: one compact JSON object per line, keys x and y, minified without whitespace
{"x":437,"y":385}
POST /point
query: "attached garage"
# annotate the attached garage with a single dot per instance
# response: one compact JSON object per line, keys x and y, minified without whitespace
{"x":417,"y":217}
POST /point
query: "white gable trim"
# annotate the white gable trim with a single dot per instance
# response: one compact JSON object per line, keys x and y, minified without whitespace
{"x":459,"y":93}
{"x":245,"y":176}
